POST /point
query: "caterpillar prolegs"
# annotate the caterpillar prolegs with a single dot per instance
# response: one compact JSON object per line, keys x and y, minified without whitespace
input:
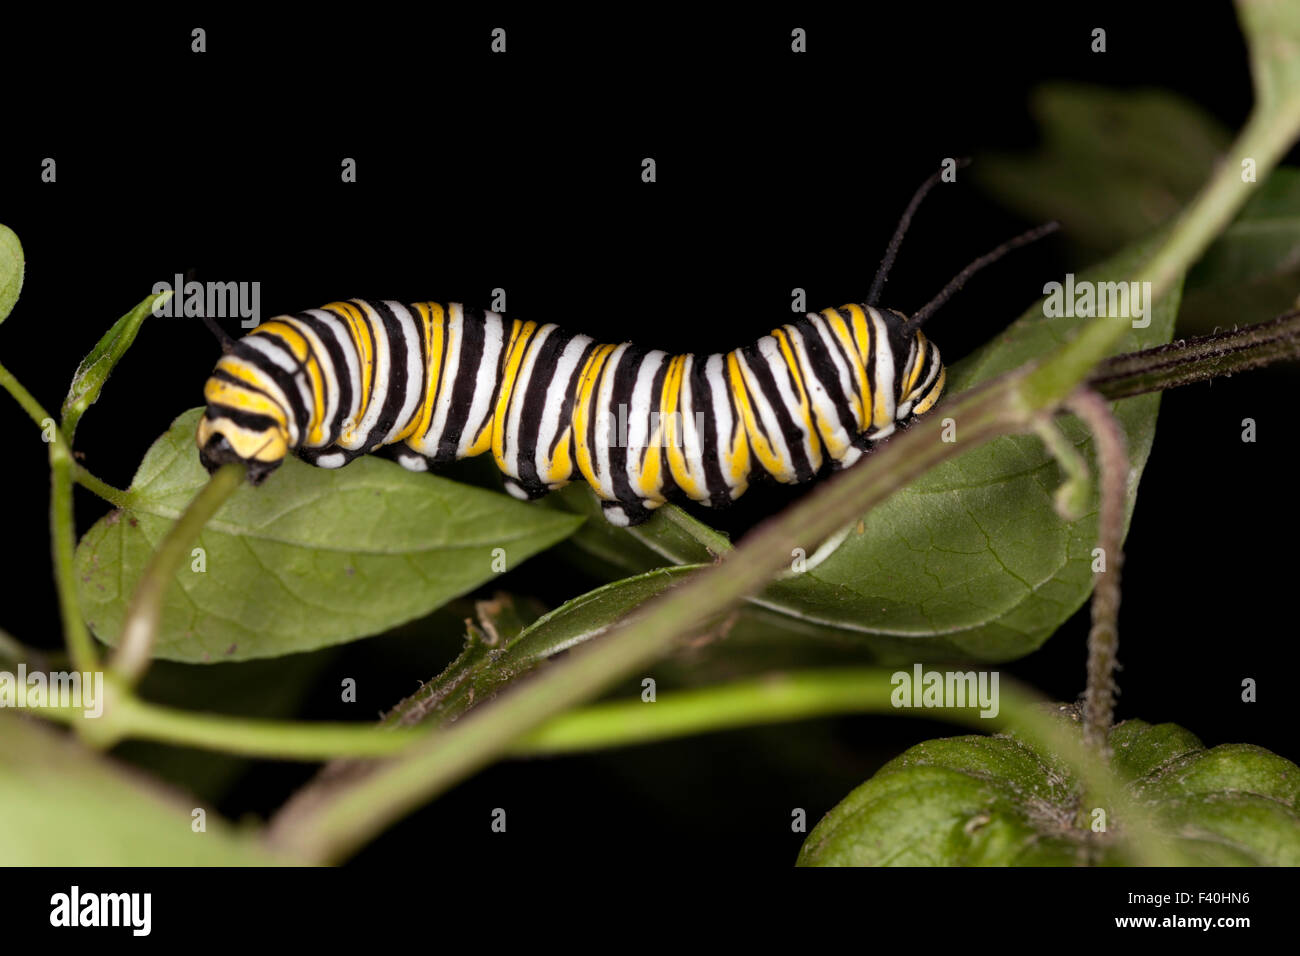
{"x":430,"y":384}
{"x":427,"y":384}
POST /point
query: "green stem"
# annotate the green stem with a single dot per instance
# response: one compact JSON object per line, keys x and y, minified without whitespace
{"x":1072,"y":496}
{"x":770,"y":699}
{"x":81,"y":647}
{"x":40,"y":416}
{"x":801,"y":695}
{"x":140,"y":629}
{"x":451,"y":684}
{"x":24,"y":398}
{"x":14,"y":652}
{"x":113,"y":496}
{"x":126,"y":717}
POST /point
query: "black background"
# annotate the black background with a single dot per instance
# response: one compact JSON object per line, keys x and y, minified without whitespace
{"x":523,"y":172}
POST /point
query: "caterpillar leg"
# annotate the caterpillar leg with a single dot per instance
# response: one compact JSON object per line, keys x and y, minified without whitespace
{"x":524,"y":491}
{"x":624,"y":514}
{"x":406,"y":457}
{"x":331,"y":456}
{"x":412,"y":460}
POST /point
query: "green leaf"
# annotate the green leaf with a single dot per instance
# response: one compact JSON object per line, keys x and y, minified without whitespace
{"x":975,"y":551}
{"x":11,"y":270}
{"x":972,"y":560}
{"x":1112,"y":164}
{"x":64,"y":805}
{"x":992,"y":801}
{"x":95,"y":368}
{"x":494,"y":656}
{"x":1252,"y":271}
{"x":587,"y":616}
{"x":311,"y":558}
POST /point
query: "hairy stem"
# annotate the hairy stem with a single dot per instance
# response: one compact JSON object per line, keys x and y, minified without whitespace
{"x":1200,"y":359}
{"x":1103,"y":638}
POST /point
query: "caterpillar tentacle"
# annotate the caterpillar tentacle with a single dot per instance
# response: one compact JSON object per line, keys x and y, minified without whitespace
{"x":428,"y":383}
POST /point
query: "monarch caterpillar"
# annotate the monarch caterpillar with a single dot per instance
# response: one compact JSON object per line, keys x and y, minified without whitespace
{"x":428,"y":383}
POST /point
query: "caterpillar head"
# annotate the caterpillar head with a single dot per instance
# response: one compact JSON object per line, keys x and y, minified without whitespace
{"x":241,"y":424}
{"x":253,"y":439}
{"x":920,"y":375}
